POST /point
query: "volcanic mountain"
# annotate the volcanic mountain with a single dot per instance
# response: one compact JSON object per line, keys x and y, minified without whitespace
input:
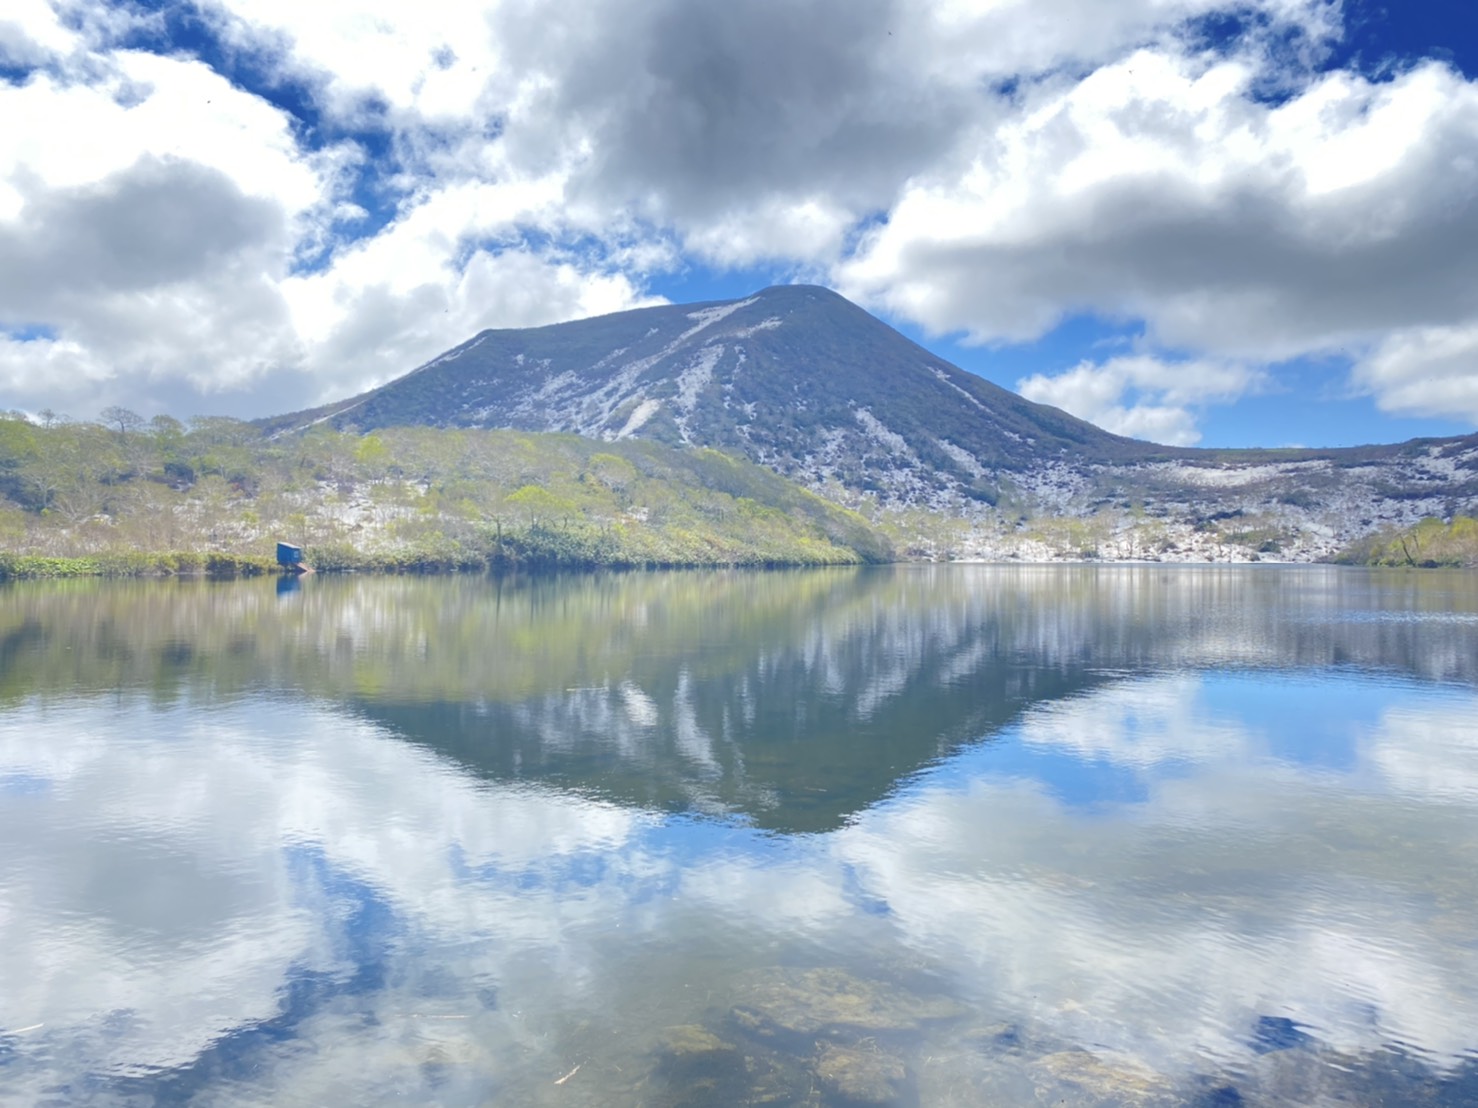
{"x":795,"y":378}
{"x":802,"y":381}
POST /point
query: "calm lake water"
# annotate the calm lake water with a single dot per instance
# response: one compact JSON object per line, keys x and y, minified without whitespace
{"x":924,"y":836}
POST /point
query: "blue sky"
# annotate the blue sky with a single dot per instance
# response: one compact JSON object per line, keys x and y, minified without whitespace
{"x":1186,"y":220}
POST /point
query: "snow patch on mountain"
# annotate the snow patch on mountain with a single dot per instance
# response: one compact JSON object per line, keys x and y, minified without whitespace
{"x":943,"y":376}
{"x":556,"y":384}
{"x":879,"y":433}
{"x":611,"y":357}
{"x":763,"y":325}
{"x":644,"y":411}
{"x":1231,"y":475}
{"x":598,"y":407}
{"x":707,"y":317}
{"x":452,"y":354}
{"x":691,"y":382}
{"x":962,"y":457}
{"x":697,"y":376}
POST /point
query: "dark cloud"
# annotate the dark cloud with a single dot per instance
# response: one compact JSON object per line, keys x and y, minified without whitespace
{"x":952,"y":163}
{"x":1239,"y":253}
{"x":158,"y":223}
{"x":1244,"y":272}
{"x":157,"y":275}
{"x":694,"y":108}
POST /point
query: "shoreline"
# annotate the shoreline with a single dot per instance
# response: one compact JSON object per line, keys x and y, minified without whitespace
{"x":227,"y":567}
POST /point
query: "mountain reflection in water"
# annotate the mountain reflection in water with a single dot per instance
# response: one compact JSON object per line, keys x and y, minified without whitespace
{"x":921,"y":835}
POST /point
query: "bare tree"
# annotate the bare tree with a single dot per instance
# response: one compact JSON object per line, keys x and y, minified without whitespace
{"x":127,"y":422}
{"x":133,"y":444}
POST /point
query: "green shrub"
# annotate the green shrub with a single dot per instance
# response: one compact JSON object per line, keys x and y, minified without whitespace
{"x":238,"y":565}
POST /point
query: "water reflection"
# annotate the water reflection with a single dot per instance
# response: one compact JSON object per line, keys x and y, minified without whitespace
{"x":936,"y":836}
{"x":1236,"y":886}
{"x":796,"y":699}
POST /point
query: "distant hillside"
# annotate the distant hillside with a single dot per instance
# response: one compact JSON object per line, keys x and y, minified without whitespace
{"x":809,"y":385}
{"x":795,"y":378}
{"x":161,"y":498}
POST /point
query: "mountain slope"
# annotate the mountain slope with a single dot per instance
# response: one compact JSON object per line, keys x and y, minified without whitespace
{"x":795,"y":378}
{"x":809,"y":385}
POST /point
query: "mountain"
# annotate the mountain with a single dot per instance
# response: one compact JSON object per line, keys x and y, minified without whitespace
{"x":794,"y":377}
{"x":807,"y":384}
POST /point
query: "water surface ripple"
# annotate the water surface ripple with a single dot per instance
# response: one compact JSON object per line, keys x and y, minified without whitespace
{"x":919,"y":836}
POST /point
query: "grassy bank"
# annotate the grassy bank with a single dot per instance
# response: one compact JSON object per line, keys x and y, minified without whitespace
{"x":1430,"y":544}
{"x":30,"y":567}
{"x":572,"y":549}
{"x":87,"y":499}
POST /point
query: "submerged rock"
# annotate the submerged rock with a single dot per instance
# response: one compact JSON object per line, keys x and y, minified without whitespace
{"x":1082,"y":1078}
{"x":696,"y":1067}
{"x":691,"y":1053}
{"x":690,"y":1039}
{"x":808,"y":1002}
{"x":860,"y":1074}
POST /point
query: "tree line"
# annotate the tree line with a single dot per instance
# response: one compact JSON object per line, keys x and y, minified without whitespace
{"x":122,"y":487}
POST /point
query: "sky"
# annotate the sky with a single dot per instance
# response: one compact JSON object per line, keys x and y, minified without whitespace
{"x":1189,"y":221}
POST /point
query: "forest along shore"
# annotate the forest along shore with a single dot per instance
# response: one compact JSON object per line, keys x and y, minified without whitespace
{"x":130,"y":497}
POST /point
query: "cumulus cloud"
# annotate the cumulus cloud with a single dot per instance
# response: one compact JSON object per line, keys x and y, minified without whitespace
{"x":697,"y":110}
{"x":198,"y":251}
{"x":1158,"y":189}
{"x":431,"y":62}
{"x":157,"y":223}
{"x":1140,"y":395}
{"x":1430,"y":371}
{"x":31,"y":33}
{"x":976,"y":169}
{"x":51,"y":32}
{"x":164,"y":266}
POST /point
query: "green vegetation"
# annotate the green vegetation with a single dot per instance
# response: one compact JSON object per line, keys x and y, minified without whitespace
{"x":1429,"y":544}
{"x":21,"y":567}
{"x":125,"y":496}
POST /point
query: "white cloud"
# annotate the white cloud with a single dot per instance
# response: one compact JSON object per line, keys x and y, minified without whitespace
{"x":31,"y":32}
{"x":1009,"y":37}
{"x":431,"y":61}
{"x":532,"y":162}
{"x":1141,"y":396}
{"x":811,"y":230}
{"x":1158,"y":189}
{"x":61,"y":32}
{"x":1426,"y":371}
{"x":160,"y":253}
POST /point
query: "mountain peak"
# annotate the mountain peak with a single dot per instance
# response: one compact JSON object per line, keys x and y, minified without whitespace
{"x":795,"y":377}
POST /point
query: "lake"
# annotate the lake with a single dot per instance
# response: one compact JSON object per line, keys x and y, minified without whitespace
{"x":954,"y":835}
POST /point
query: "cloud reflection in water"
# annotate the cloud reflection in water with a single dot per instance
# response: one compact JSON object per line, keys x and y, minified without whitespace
{"x":295,"y":898}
